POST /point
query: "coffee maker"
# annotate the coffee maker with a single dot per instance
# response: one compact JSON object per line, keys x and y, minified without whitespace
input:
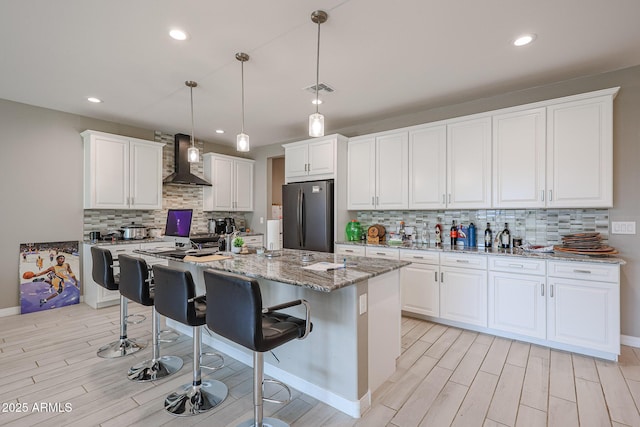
{"x":230,"y":225}
{"x":217,"y":226}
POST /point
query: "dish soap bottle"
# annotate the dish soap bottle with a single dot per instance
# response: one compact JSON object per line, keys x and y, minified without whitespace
{"x":505,"y":237}
{"x":488,"y":236}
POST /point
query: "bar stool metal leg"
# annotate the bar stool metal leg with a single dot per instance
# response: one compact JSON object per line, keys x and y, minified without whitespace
{"x":258,"y":411}
{"x":124,"y":345}
{"x":199,"y":396}
{"x":157,"y":367}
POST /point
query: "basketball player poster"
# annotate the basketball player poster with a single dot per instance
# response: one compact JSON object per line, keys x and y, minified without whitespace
{"x":49,"y":275}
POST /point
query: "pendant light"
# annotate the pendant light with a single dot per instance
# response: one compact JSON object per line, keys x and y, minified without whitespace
{"x":316,"y":120}
{"x":193,"y":155}
{"x":242,"y":140}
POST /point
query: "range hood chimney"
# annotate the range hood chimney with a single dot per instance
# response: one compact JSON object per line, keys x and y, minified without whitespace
{"x":182,"y":174}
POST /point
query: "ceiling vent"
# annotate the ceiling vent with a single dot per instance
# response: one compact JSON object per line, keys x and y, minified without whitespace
{"x":322,"y":88}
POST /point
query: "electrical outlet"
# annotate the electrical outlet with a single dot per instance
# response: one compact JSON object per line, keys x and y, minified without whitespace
{"x":261,"y":220}
{"x":623,"y":227}
{"x":363,"y":303}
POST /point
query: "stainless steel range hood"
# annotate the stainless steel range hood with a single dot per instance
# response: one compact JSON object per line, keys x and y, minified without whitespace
{"x":182,"y":174}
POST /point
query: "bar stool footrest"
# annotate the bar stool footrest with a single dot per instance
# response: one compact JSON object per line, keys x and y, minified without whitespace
{"x":281,"y":384}
{"x":135,"y":316}
{"x":215,"y":367}
{"x":174,"y":336}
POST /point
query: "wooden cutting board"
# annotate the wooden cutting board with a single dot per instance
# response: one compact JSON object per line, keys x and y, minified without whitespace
{"x":209,"y":258}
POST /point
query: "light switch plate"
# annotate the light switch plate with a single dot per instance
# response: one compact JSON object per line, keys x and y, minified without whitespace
{"x":623,"y":227}
{"x":363,"y":304}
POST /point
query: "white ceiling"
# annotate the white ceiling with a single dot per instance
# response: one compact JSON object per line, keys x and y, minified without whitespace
{"x":383,"y":58}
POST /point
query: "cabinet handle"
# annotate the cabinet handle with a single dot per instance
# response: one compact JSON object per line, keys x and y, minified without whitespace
{"x":132,"y":201}
{"x":550,"y":195}
{"x":443,"y":201}
{"x":121,"y":250}
{"x":305,"y":167}
{"x":418,"y":257}
{"x":373,"y":201}
{"x":441,"y":277}
{"x":381,"y":253}
{"x":309,"y":167}
{"x":377,"y":200}
{"x":582,"y":271}
{"x":542,"y":195}
{"x":463,"y":261}
{"x":516,"y":265}
{"x":449,"y":201}
{"x":435,"y":273}
{"x":348,"y":250}
{"x":542,"y":289}
{"x":551,"y":291}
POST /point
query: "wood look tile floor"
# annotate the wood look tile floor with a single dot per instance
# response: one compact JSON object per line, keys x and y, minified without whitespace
{"x":446,"y":377}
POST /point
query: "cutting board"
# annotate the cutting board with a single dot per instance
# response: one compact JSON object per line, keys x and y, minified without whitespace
{"x":604,"y":250}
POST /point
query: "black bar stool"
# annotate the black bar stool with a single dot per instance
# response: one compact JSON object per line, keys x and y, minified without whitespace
{"x":137,"y":285}
{"x":102,"y":273}
{"x":175,"y":298}
{"x":234,"y":311}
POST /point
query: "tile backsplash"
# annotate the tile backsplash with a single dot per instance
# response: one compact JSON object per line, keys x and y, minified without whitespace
{"x":536,"y":226}
{"x":173,"y":196}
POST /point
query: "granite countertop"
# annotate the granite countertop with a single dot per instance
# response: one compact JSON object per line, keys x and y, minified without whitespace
{"x":606,"y":259}
{"x":287,"y":268}
{"x":156,"y":239}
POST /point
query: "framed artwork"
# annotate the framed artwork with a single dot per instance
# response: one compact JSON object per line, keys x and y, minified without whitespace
{"x":48,"y":275}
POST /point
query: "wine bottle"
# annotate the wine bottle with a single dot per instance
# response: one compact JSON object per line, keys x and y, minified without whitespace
{"x":505,"y":237}
{"x":453,"y":234}
{"x":488,"y":236}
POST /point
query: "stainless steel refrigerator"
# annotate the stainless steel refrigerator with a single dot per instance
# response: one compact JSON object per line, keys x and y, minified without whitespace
{"x":307,"y":216}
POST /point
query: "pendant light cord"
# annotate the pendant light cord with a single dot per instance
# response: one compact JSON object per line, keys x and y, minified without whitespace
{"x":192,"y":125}
{"x":318,"y":68}
{"x":242,"y":77}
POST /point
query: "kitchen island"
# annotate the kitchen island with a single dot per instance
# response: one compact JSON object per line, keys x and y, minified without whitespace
{"x":355,"y":313}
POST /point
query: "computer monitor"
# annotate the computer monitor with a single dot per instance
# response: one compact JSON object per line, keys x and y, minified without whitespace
{"x":178,"y":226}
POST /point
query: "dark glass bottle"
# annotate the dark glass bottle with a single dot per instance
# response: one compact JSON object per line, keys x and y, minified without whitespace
{"x":505,"y":237}
{"x":488,"y":236}
{"x":453,"y":234}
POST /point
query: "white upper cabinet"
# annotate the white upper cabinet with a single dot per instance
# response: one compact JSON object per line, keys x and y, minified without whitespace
{"x":310,"y":160}
{"x":231,"y":183}
{"x":121,"y":172}
{"x":377,"y":172}
{"x":428,"y":167}
{"x":580,"y":153}
{"x":469,"y":164}
{"x":519,"y":159}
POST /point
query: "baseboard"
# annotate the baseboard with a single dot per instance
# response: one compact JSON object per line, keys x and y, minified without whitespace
{"x":10,"y":311}
{"x":630,"y":341}
{"x":352,"y":408}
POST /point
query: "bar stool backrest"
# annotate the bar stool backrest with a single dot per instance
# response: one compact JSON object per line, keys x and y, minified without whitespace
{"x":102,"y":269}
{"x":134,"y":279}
{"x":234,"y":308}
{"x":174,"y":295}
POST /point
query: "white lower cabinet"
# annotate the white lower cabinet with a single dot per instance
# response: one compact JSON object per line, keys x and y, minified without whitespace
{"x":353,"y":250}
{"x":420,"y":283}
{"x":95,"y":295}
{"x":517,"y":301}
{"x":463,"y":288}
{"x":582,"y":311}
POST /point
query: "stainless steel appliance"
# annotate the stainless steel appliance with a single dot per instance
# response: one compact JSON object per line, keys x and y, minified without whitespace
{"x":307,"y":216}
{"x":230,"y":225}
{"x":134,"y":232}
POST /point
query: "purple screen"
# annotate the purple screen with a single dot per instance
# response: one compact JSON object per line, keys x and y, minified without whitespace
{"x":178,"y":222}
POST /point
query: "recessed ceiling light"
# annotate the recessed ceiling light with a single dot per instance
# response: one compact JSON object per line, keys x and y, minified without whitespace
{"x":524,"y":39}
{"x":94,"y":99}
{"x":219,"y":131}
{"x":178,"y":34}
{"x":316,"y":101}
